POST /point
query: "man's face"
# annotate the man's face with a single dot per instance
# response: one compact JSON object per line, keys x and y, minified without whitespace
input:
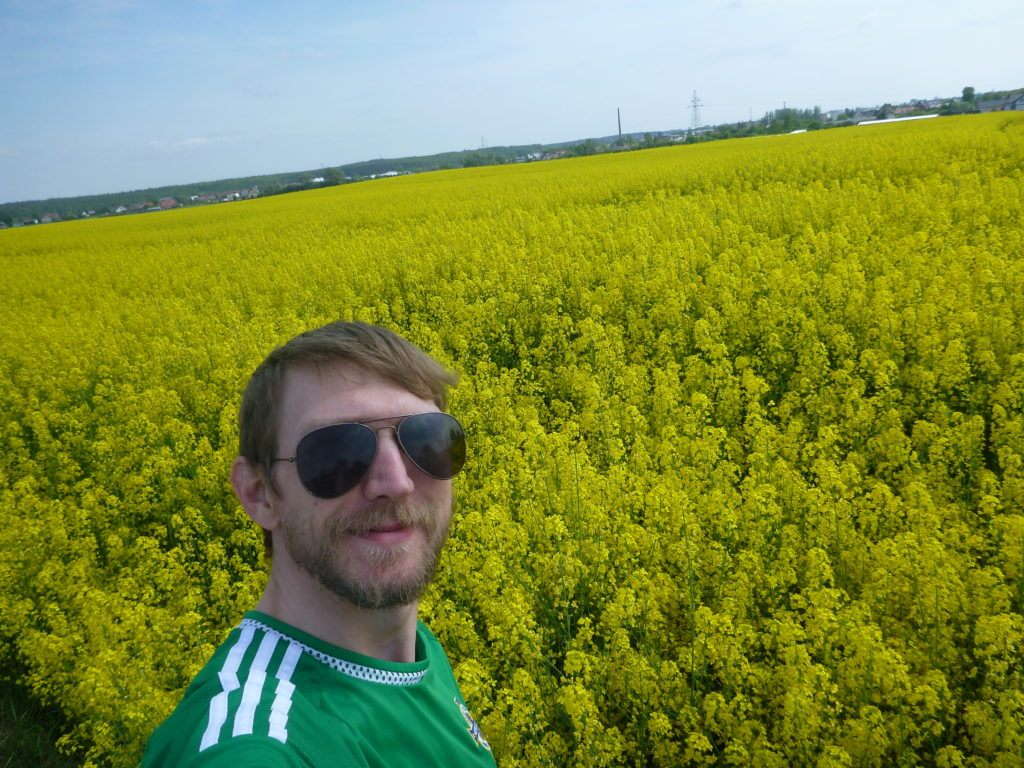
{"x":377,"y":545}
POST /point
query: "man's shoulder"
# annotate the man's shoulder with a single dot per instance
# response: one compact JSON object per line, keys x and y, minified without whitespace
{"x":267,"y":698}
{"x":245,"y":703}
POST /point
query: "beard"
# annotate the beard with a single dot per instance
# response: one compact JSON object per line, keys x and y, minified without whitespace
{"x":388,"y":576}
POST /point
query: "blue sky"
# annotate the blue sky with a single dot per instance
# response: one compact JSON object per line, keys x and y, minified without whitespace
{"x":111,"y":95}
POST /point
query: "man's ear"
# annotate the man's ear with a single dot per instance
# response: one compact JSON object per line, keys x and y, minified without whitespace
{"x":255,"y":494}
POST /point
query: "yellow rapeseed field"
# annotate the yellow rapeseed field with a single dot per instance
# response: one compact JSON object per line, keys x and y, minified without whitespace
{"x":746,"y":483}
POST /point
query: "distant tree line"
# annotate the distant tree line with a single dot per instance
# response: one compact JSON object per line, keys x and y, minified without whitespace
{"x":784,"y":120}
{"x":272,"y":184}
{"x":98,"y":205}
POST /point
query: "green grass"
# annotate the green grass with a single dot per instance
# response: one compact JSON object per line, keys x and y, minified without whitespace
{"x":28,"y":731}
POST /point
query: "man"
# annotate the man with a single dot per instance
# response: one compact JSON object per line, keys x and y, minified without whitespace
{"x":346,"y":459}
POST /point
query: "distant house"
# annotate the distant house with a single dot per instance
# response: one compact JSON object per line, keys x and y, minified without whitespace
{"x":991,"y":105}
{"x":167,"y":202}
{"x":884,"y":112}
{"x":120,"y":209}
{"x":48,"y":218}
{"x":1013,"y":102}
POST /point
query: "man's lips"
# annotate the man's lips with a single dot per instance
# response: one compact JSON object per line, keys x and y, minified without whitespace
{"x":386,"y":527}
{"x":387,"y":534}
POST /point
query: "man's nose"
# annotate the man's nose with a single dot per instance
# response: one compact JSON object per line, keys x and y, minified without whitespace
{"x":389,"y":476}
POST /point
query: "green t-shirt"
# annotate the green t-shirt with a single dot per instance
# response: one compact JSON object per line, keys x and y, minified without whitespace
{"x":272,"y":696}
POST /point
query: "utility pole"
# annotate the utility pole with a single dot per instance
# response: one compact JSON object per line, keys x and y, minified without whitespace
{"x":618,"y":112}
{"x":695,"y":104}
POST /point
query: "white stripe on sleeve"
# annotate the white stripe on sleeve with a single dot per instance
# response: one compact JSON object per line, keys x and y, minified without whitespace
{"x":254,"y":686}
{"x":228,"y":683}
{"x":283,"y":697}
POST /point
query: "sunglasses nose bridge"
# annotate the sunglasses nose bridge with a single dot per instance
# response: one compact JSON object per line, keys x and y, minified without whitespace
{"x":393,"y":428}
{"x":386,"y":476}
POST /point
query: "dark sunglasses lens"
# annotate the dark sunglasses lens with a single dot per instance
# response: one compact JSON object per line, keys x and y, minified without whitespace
{"x":332,"y":460}
{"x":434,"y":442}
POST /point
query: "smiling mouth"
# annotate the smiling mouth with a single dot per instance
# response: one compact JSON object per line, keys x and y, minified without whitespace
{"x":388,"y":527}
{"x":385,"y":525}
{"x":386,"y":535}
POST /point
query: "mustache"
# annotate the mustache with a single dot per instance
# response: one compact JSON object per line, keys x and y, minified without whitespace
{"x":383,"y":515}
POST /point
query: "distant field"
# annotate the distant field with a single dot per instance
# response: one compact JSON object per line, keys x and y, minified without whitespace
{"x":746,"y":483}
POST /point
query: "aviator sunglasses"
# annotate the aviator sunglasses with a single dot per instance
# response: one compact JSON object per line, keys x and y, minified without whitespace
{"x":332,"y":460}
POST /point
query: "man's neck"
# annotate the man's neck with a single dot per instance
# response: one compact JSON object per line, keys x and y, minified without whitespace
{"x":301,"y":601}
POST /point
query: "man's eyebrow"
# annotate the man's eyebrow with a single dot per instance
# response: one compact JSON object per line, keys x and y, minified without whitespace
{"x":320,"y":423}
